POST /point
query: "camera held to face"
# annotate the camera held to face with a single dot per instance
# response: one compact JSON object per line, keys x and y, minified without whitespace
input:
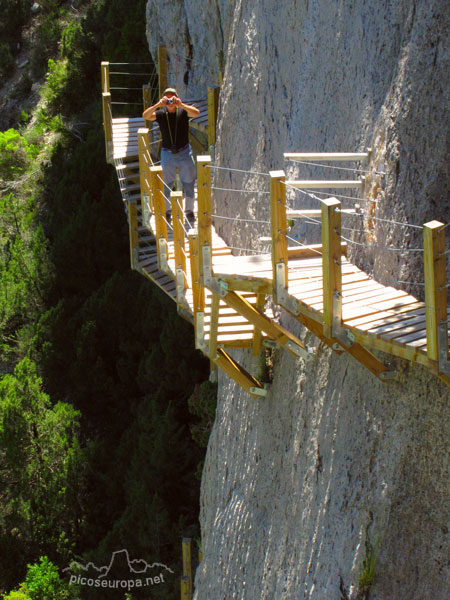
{"x":170,"y":100}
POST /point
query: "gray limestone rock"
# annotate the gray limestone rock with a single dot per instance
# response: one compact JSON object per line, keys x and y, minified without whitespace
{"x":300,"y":488}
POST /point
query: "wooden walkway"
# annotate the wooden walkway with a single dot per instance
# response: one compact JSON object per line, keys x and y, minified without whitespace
{"x":228,"y":298}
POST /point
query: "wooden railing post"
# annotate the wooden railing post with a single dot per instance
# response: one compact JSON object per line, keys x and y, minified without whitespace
{"x":278,"y":225}
{"x":435,"y":292}
{"x":104,"y":69}
{"x":162,"y":68}
{"x":133,"y":233}
{"x":176,"y":199}
{"x":184,"y":583}
{"x":331,"y":265}
{"x":204,"y":200}
{"x":198,"y":291}
{"x":107,"y":126}
{"x":159,"y":207}
{"x":144,"y":175}
{"x":187,"y":564}
{"x":213,"y":109}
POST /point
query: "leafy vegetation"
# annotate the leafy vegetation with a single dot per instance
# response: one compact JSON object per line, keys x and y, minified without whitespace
{"x":95,"y":441}
{"x":43,"y":583}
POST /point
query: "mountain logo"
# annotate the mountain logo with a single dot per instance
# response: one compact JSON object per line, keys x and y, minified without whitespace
{"x":121,"y":572}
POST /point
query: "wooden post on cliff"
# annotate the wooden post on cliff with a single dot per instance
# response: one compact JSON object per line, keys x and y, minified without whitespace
{"x":204,"y":208}
{"x":162,"y":68}
{"x":107,"y":126}
{"x":278,"y":224}
{"x":331,"y":265}
{"x":104,"y":69}
{"x":435,"y":291}
{"x":213,"y":109}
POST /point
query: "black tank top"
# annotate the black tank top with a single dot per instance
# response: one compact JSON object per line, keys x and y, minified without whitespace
{"x":174,"y":127}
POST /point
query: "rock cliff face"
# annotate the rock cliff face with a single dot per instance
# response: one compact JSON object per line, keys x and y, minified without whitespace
{"x":333,"y":467}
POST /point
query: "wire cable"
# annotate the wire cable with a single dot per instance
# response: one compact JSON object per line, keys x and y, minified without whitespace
{"x":238,"y":219}
{"x":299,"y":243}
{"x":382,"y":247}
{"x":361,"y":214}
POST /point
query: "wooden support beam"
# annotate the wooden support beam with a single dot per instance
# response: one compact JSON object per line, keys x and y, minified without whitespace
{"x":145,"y":162}
{"x":331,"y":265}
{"x":278,"y":228}
{"x":234,"y":370}
{"x":257,"y":336}
{"x":324,"y":184}
{"x":435,"y":290}
{"x":213,"y":110}
{"x":204,"y":204}
{"x":259,"y":320}
{"x":187,"y":564}
{"x":104,"y":69}
{"x":327,"y":156}
{"x":133,"y":233}
{"x":162,"y":68}
{"x":107,"y":126}
{"x":214,"y":326}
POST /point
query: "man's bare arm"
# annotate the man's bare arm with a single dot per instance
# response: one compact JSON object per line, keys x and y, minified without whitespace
{"x":149,"y":113}
{"x":192,"y":111}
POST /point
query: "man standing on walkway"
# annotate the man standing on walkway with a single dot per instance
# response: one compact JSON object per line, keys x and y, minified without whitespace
{"x":172,"y":117}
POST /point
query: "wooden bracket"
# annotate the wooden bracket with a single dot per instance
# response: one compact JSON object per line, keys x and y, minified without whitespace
{"x":181,"y":289}
{"x":206,"y":268}
{"x":200,"y":343}
{"x":275,"y":331}
{"x":146,"y":212}
{"x":239,"y":374}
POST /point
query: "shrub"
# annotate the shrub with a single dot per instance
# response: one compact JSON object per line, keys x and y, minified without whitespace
{"x":6,"y":61}
{"x":15,"y":154}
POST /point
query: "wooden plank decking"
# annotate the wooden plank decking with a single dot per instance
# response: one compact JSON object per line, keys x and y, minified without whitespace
{"x":224,"y":296}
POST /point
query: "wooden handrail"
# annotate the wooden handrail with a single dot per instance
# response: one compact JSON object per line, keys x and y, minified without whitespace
{"x":278,"y":223}
{"x":435,"y":290}
{"x":317,"y":184}
{"x":162,"y":68}
{"x":328,"y":156}
{"x":331,"y":265}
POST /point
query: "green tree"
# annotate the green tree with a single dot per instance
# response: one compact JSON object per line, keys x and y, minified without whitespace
{"x":43,"y":583}
{"x":41,"y":463}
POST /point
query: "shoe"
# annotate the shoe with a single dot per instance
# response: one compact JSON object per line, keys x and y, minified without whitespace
{"x":168,"y":215}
